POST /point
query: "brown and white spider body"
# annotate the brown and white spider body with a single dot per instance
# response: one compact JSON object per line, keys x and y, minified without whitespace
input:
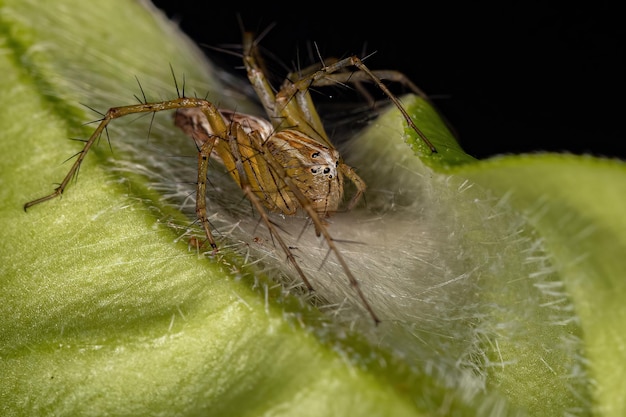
{"x":315,"y":168}
{"x":284,"y":164}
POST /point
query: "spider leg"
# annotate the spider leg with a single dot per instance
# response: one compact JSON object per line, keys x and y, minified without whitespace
{"x":321,"y":77}
{"x":204,"y":154}
{"x":357,"y":78}
{"x":247,"y":189}
{"x":111,"y":114}
{"x":322,"y":230}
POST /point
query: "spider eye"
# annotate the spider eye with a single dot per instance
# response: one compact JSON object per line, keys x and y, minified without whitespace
{"x":315,"y":154}
{"x":326,"y":170}
{"x":314,"y":170}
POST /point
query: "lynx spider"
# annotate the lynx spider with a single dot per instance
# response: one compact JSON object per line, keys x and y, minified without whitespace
{"x":282,"y":165}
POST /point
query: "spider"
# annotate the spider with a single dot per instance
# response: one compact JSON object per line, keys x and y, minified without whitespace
{"x":283,"y":164}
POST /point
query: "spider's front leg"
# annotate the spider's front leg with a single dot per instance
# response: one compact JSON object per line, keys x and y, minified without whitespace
{"x":336,"y":73}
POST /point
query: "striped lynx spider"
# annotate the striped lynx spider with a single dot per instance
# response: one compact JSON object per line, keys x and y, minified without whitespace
{"x":283,"y":164}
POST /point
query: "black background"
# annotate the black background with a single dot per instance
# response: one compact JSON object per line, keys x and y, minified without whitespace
{"x":511,"y":78}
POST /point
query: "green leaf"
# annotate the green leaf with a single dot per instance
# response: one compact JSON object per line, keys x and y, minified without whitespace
{"x":577,"y":203}
{"x":499,"y":281}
